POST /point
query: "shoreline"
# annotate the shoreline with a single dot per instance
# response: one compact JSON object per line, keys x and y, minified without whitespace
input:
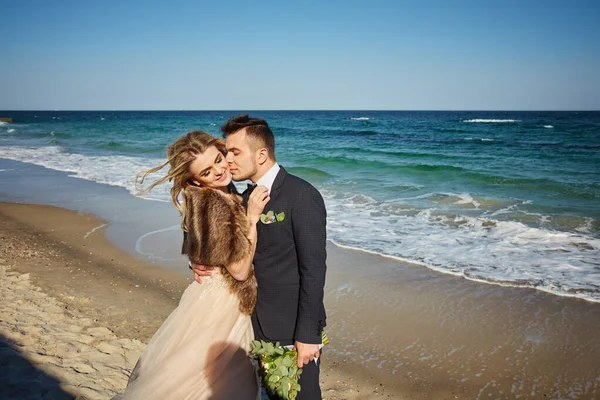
{"x":506,"y":284}
{"x":157,"y":239}
{"x":398,"y":330}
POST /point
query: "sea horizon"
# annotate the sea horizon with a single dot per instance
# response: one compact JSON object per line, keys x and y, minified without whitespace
{"x":302,"y":110}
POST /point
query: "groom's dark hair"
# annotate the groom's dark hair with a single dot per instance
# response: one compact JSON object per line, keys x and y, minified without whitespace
{"x":257,"y":129}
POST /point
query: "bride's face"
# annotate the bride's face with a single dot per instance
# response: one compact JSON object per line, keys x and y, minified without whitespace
{"x":210,"y":169}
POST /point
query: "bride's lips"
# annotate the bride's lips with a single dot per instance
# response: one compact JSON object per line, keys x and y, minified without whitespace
{"x":223,"y":176}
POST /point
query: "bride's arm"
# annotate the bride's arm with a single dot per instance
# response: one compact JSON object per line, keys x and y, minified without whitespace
{"x":256,"y":203}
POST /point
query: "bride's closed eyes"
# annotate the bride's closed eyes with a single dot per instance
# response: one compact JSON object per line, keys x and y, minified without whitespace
{"x":219,"y":160}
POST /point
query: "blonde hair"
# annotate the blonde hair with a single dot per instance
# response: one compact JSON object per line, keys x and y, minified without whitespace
{"x":180,"y":155}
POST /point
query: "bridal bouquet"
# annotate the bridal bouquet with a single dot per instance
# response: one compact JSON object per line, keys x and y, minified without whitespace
{"x":279,"y":367}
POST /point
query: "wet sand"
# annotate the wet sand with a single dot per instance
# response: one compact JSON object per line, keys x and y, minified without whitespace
{"x":397,"y":330}
{"x":431,"y":335}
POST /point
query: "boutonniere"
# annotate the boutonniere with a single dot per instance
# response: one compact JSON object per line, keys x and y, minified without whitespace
{"x":270,"y":217}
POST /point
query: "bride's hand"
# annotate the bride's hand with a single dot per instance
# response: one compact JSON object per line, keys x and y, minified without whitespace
{"x":256,"y":203}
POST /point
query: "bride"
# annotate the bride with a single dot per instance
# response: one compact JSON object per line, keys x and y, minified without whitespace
{"x":201,"y":350}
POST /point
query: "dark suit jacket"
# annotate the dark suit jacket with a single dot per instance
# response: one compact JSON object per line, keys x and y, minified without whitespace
{"x":289,"y":264}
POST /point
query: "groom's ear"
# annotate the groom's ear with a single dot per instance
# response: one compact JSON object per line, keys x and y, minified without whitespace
{"x":262,"y":155}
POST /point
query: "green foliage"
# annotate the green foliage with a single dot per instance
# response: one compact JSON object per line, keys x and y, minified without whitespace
{"x":324,"y":338}
{"x":279,"y":366}
{"x":279,"y":369}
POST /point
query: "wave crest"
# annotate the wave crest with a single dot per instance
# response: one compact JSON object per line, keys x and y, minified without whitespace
{"x":490,"y":121}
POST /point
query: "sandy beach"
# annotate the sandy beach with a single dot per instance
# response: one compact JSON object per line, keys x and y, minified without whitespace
{"x":76,"y":311}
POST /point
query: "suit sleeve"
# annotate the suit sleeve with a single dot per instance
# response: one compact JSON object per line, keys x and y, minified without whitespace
{"x":309,"y":219}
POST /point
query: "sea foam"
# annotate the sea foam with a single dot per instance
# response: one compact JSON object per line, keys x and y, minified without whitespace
{"x":480,"y":139}
{"x":482,"y":249}
{"x":114,"y":170}
{"x":490,"y":121}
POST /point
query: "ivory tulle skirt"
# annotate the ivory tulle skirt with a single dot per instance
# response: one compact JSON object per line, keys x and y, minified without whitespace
{"x":200,"y":351}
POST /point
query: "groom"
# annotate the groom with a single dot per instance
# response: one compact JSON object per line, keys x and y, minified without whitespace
{"x":290,"y":255}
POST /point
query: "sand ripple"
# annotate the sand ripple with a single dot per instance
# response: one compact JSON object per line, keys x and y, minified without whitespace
{"x":47,"y":353}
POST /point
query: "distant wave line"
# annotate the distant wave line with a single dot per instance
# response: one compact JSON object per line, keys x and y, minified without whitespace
{"x":490,"y":121}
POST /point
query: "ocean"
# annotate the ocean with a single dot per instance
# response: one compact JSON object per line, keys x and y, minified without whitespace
{"x":508,"y":198}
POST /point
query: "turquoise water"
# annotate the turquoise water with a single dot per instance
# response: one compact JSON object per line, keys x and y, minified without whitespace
{"x":502,"y":197}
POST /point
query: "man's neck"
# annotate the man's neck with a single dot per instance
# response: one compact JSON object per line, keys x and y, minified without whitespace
{"x":263,"y":169}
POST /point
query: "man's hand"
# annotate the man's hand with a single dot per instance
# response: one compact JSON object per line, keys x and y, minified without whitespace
{"x":200,"y":270}
{"x":306,"y":352}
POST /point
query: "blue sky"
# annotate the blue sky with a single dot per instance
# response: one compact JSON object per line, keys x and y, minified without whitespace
{"x":426,"y":55}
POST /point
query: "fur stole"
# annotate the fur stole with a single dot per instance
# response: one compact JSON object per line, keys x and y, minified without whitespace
{"x":217,"y":234}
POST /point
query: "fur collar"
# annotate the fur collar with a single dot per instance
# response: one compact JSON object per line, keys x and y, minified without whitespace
{"x":217,"y":234}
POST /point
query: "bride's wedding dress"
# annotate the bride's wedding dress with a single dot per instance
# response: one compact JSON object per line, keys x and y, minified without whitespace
{"x":200,"y":351}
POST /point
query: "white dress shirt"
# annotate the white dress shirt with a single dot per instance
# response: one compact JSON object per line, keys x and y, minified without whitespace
{"x":268,"y":178}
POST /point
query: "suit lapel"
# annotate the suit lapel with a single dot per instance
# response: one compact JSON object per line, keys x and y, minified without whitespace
{"x":265,"y":236}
